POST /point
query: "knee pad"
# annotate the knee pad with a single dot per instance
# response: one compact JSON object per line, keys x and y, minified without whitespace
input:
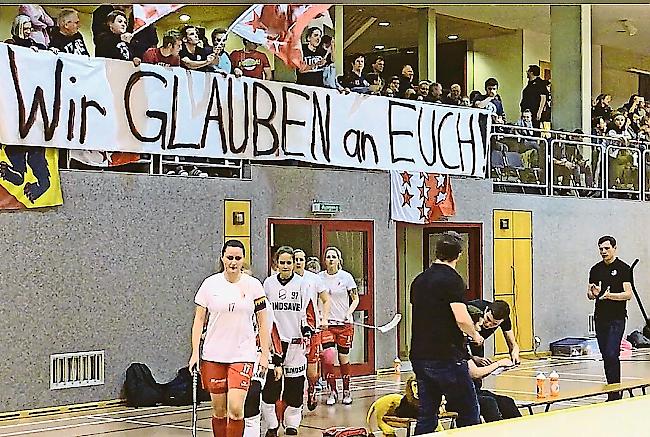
{"x":269,"y":416}
{"x":272,"y":389}
{"x":252,"y":404}
{"x":292,"y":417}
{"x":294,"y":389}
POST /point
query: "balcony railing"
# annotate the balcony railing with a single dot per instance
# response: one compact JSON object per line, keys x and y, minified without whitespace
{"x":532,"y":161}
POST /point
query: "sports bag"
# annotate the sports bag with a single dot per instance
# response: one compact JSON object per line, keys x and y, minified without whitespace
{"x":141,"y":388}
{"x":342,"y":431}
{"x":178,"y":391}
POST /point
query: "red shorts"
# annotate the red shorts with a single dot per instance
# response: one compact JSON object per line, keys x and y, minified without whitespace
{"x":218,"y":378}
{"x":314,"y":348}
{"x":341,"y":335}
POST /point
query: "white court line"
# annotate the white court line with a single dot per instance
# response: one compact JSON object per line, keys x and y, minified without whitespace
{"x":164,"y":425}
{"x":63,"y":419}
{"x":145,"y":416}
{"x":54,"y":428}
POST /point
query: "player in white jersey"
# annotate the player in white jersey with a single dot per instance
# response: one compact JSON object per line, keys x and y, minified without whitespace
{"x":344,"y":300}
{"x":229,"y":351}
{"x":284,"y":292}
{"x":315,"y":295}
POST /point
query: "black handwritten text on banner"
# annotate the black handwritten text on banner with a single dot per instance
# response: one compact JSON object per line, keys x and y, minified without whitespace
{"x":77,"y":102}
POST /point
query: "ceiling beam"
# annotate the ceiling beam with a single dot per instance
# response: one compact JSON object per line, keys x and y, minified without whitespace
{"x":369,"y":22}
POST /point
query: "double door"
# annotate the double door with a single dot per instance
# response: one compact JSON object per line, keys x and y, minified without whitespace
{"x":355,"y":241}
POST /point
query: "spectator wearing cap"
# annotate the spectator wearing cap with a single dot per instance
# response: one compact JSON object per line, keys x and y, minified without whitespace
{"x":66,"y":37}
{"x":167,"y":55}
{"x":250,"y":62}
{"x":354,"y":79}
{"x":113,"y":43}
{"x":422,"y":92}
{"x":41,"y":22}
{"x":193,"y":56}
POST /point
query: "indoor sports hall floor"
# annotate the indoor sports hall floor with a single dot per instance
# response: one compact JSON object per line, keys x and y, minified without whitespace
{"x":175,"y":421}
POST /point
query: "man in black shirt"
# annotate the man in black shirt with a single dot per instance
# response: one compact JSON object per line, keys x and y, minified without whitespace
{"x":535,"y":95}
{"x":495,"y":315}
{"x":439,"y":320}
{"x":66,"y":37}
{"x":610,"y":285}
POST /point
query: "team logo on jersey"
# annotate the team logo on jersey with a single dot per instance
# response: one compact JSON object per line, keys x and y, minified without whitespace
{"x":614,"y":272}
{"x":282,"y":294}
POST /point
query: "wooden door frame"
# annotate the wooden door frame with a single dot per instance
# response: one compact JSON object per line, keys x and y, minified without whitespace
{"x":367,"y":226}
{"x":475,"y":230}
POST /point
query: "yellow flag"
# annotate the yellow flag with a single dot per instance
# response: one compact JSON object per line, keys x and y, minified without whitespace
{"x":29,"y":177}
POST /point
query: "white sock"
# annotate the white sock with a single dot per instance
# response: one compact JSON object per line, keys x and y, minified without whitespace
{"x":252,"y":426}
{"x":268,"y":414}
{"x":292,"y":417}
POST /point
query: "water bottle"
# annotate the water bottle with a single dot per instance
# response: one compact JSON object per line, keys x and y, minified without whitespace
{"x":397,"y":365}
{"x":541,"y":382}
{"x":554,"y":378}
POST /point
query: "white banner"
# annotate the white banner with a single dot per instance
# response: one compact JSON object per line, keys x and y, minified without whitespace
{"x":75,"y":102}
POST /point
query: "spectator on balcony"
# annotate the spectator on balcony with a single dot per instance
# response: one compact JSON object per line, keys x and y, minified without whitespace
{"x":491,"y":101}
{"x":405,"y":80}
{"x":601,"y":107}
{"x":392,"y":88}
{"x":250,"y":62}
{"x":535,"y":95}
{"x":41,"y":23}
{"x":454,"y":97}
{"x":66,"y":37}
{"x":167,"y":55}
{"x":422,"y":92}
{"x":219,"y":37}
{"x":525,"y":123}
{"x":329,"y":69}
{"x":114,"y":42}
{"x":193,"y":56}
{"x":21,"y":31}
{"x":634,"y":104}
{"x":314,"y":59}
{"x":619,"y":127}
{"x":435,"y":93}
{"x":375,"y":84}
{"x":99,"y":18}
{"x":465,"y":101}
{"x":354,"y":79}
{"x":377,"y":67}
{"x":569,"y":165}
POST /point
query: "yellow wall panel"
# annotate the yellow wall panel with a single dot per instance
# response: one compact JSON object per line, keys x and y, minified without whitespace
{"x":523,"y":256}
{"x":498,"y":216}
{"x":503,"y":266}
{"x":522,"y":226}
{"x":231,"y":207}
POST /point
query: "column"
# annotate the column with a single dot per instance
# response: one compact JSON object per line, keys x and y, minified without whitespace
{"x":571,"y":67}
{"x":426,"y":44}
{"x":338,"y":39}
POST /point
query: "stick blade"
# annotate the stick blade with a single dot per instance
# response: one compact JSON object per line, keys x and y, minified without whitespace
{"x":390,"y":325}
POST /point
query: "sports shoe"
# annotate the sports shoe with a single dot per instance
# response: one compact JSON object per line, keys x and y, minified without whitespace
{"x":347,"y":397}
{"x":333,"y":397}
{"x":312,"y":403}
{"x":290,"y":431}
{"x":271,"y":432}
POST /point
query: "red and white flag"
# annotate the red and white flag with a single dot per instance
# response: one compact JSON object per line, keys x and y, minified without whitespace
{"x":278,"y":28}
{"x":417,"y":197}
{"x":103,"y":159}
{"x":144,"y":15}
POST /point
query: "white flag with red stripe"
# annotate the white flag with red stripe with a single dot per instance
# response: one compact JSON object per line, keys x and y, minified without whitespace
{"x":103,"y":159}
{"x":144,"y":15}
{"x":278,"y":27}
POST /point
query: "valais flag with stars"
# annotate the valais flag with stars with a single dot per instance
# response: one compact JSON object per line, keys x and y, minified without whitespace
{"x":417,"y":197}
{"x":278,"y":27}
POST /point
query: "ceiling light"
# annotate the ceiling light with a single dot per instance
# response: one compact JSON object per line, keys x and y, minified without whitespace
{"x":452,"y":37}
{"x":379,"y":47}
{"x":410,"y":52}
{"x":384,"y":23}
{"x":184,"y":18}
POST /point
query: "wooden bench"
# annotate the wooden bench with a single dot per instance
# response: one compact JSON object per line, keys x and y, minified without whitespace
{"x":404,"y":422}
{"x":532,"y":401}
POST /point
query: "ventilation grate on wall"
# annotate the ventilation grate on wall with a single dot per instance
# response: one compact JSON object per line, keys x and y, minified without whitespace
{"x":592,"y":325}
{"x":79,"y":369}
